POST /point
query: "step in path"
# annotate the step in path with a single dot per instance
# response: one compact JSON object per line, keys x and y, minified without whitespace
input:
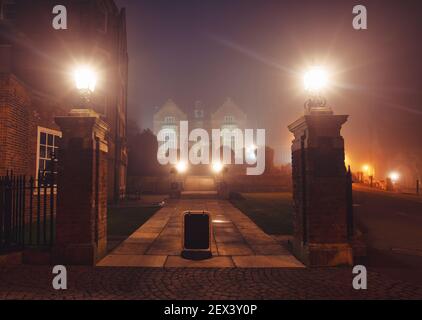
{"x":237,"y":242}
{"x":199,"y":183}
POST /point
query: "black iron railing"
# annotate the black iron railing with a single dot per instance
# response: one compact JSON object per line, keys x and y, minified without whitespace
{"x":27,"y":211}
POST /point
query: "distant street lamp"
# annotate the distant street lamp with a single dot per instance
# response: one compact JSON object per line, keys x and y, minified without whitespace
{"x":217,"y":167}
{"x":315,"y":81}
{"x":86,"y":81}
{"x":181,"y":167}
{"x":366,"y":168}
{"x":394,"y":176}
{"x":251,"y":152}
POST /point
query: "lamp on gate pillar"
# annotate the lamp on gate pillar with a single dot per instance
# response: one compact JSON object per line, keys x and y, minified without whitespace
{"x":320,"y":189}
{"x":81,"y":219}
{"x":85,"y":78}
{"x":316,"y":80}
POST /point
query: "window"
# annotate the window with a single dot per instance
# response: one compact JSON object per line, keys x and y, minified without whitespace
{"x":169,"y":120}
{"x":233,"y":143}
{"x":228,"y":119}
{"x":48,"y":145}
{"x":199,"y":114}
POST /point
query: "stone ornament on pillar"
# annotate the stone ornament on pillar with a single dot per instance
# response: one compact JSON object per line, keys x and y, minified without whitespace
{"x":320,"y":190}
{"x":81,"y":223}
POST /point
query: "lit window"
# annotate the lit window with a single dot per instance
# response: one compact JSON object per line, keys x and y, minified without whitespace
{"x":48,"y":145}
{"x":170,"y":120}
{"x":228,"y":119}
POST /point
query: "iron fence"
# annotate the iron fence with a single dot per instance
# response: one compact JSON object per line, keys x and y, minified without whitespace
{"x":27,"y":211}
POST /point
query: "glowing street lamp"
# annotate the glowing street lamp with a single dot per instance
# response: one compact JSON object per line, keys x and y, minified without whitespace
{"x":85,"y":79}
{"x":251,"y":152}
{"x":368,"y":170}
{"x":394,"y":176}
{"x":181,"y":167}
{"x":217,"y":167}
{"x":315,"y":82}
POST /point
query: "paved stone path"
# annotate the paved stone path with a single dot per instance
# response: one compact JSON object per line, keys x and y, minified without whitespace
{"x":236,"y":241}
{"x":29,"y":282}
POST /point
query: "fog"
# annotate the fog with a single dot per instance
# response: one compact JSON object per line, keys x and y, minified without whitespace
{"x":256,"y":52}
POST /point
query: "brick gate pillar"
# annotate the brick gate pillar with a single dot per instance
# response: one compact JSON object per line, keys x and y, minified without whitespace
{"x":320,"y":190}
{"x":81,"y":223}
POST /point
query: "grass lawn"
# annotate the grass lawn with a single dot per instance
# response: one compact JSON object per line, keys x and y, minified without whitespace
{"x":122,"y":221}
{"x":272,"y":212}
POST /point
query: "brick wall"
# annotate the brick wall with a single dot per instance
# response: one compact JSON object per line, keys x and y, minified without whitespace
{"x":14,"y":126}
{"x":22,"y":110}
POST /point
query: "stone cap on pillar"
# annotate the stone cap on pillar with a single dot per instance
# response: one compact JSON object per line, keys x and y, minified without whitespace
{"x":312,"y":128}
{"x":86,"y":113}
{"x":85,"y":124}
{"x":329,"y":124}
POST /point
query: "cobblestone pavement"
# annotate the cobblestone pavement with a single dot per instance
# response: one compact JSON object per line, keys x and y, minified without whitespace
{"x":28,"y":282}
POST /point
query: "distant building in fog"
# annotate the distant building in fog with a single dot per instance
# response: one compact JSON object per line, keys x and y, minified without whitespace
{"x":229,"y":116}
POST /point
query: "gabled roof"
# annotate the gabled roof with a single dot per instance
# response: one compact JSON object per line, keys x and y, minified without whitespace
{"x":170,"y":108}
{"x":229,"y":107}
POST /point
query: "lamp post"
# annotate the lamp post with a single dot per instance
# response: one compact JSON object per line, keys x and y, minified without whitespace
{"x":323,"y":220}
{"x":177,"y":181}
{"x":392,"y":179}
{"x":181,"y":167}
{"x":85,"y":81}
{"x":394,"y":176}
{"x":219,"y":169}
{"x":315,"y":81}
{"x":81,"y":220}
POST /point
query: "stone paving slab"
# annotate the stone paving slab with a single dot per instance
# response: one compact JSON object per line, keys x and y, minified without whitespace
{"x":236,"y":241}
{"x":131,"y":248}
{"x":234,"y":249}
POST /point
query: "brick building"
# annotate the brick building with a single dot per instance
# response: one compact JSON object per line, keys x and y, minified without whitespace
{"x":229,"y":116}
{"x":36,"y":63}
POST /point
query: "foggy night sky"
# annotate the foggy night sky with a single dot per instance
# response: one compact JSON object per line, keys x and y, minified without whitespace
{"x":256,"y":51}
